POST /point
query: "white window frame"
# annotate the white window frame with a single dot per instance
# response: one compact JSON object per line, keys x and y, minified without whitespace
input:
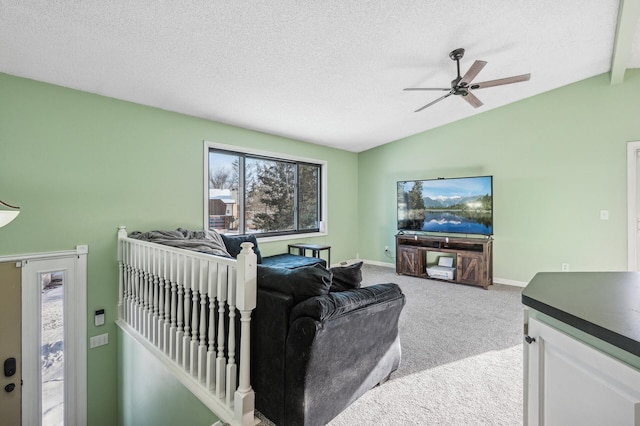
{"x":323,"y":187}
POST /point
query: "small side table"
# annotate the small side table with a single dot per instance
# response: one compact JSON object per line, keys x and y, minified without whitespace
{"x":315,"y":250}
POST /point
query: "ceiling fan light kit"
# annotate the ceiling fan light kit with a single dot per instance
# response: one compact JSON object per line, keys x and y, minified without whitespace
{"x":461,"y":85}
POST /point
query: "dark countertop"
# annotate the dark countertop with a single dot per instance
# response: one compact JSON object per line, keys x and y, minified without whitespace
{"x":603,"y":304}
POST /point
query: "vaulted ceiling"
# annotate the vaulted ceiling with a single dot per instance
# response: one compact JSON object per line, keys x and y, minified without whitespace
{"x":328,"y":72}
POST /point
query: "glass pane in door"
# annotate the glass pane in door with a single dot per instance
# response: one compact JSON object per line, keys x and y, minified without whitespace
{"x":52,"y":347}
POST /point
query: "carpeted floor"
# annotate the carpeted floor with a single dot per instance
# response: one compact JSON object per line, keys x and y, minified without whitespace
{"x":461,"y":357}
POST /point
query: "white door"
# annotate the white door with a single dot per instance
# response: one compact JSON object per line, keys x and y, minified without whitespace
{"x":633,"y":205}
{"x":637,"y":209}
{"x":571,"y":383}
{"x":54,"y":341}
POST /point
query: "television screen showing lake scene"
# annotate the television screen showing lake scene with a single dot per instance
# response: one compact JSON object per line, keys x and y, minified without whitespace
{"x":457,"y":205}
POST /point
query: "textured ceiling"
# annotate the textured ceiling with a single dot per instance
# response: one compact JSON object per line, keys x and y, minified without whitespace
{"x":328,"y":72}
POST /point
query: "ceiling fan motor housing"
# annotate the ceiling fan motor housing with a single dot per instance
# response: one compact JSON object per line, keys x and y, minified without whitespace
{"x":460,"y":90}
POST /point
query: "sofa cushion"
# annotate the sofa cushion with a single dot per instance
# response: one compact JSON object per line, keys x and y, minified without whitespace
{"x":232,"y":242}
{"x":291,"y":261}
{"x":346,"y":277}
{"x":301,"y":283}
{"x":340,"y":303}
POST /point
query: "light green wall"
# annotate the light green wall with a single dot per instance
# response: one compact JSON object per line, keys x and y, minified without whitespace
{"x":557,"y":160}
{"x":80,"y":165}
{"x":157,"y":402}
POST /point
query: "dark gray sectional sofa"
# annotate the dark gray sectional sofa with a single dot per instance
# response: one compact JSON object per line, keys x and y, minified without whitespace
{"x":319,"y":341}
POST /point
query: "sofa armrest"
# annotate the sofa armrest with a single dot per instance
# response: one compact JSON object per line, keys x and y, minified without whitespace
{"x":269,"y":329}
{"x":332,"y":362}
{"x":339,"y":303}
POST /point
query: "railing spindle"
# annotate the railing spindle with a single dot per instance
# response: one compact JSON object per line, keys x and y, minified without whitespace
{"x":195,"y":320}
{"x":211,"y":354}
{"x":173,"y":329}
{"x":186,"y":339}
{"x":167,"y":302}
{"x":231,"y":364}
{"x":221,"y":362}
{"x":202,"y":348}
{"x":180,"y":331}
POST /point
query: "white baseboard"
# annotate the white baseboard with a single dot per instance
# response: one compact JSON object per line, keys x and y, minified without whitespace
{"x":370,"y":262}
{"x":509,"y":282}
{"x":375,"y":262}
{"x":503,"y":281}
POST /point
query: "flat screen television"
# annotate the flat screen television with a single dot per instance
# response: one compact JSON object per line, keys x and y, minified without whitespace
{"x":453,"y":205}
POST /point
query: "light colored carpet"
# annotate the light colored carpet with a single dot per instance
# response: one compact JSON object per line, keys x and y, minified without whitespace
{"x":461,"y":357}
{"x":478,"y":390}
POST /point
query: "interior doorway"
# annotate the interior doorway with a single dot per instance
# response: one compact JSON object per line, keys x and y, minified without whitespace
{"x":633,"y":205}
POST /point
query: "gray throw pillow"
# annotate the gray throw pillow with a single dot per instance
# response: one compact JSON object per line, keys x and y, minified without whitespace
{"x":232,"y":243}
{"x":346,"y":277}
{"x":301,"y":283}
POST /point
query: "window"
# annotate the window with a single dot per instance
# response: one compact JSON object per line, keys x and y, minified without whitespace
{"x":262,"y":194}
{"x":52,"y":347}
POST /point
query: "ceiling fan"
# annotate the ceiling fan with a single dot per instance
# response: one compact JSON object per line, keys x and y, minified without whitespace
{"x":462,"y":86}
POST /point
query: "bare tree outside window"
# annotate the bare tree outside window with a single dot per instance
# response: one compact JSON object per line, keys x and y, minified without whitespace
{"x":220,"y":178}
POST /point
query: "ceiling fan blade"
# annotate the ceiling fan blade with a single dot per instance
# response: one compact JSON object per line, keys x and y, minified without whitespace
{"x":436,"y":101}
{"x":473,"y":101}
{"x":473,"y":72}
{"x":501,"y":81}
{"x":426,"y":88}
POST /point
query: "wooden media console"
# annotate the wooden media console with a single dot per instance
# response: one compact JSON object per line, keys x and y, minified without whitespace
{"x":473,"y":257}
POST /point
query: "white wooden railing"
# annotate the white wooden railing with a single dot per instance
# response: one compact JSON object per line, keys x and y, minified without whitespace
{"x":182,"y":305}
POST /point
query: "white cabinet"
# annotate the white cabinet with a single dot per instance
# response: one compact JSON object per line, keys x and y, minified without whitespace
{"x":571,"y":383}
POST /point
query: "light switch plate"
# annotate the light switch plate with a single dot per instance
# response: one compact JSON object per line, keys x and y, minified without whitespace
{"x":99,"y":340}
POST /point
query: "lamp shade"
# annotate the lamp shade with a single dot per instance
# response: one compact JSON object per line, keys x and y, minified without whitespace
{"x":7,"y":216}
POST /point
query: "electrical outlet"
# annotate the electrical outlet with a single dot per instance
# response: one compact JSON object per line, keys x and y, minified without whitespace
{"x":565,"y":267}
{"x":386,"y":249}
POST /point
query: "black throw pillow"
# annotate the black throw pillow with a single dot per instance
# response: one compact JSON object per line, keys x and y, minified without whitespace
{"x":232,"y":242}
{"x":346,"y":277}
{"x":301,"y":283}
